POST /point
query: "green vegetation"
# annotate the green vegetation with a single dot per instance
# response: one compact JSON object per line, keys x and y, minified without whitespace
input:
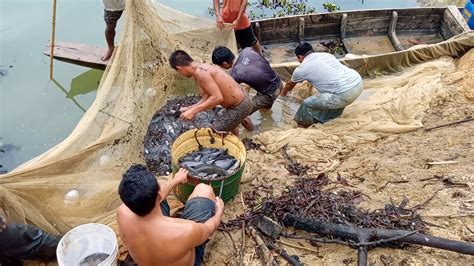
{"x":279,"y":8}
{"x":331,"y":6}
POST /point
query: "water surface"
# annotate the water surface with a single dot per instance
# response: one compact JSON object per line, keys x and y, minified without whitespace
{"x":35,"y":114}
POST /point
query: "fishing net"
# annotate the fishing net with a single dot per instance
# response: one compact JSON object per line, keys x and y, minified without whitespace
{"x":109,"y":137}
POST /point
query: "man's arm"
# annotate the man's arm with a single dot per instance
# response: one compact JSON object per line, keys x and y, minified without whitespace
{"x":243,"y":7}
{"x":180,"y":177}
{"x":210,"y":87}
{"x":217,"y":10}
{"x":288,"y":87}
{"x":203,"y":99}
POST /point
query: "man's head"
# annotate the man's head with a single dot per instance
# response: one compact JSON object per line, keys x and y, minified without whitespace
{"x":223,"y":57}
{"x":139,"y":190}
{"x":181,"y":61}
{"x":302,"y":50}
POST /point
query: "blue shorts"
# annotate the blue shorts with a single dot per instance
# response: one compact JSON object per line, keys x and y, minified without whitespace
{"x":323,"y":107}
{"x":198,"y":209}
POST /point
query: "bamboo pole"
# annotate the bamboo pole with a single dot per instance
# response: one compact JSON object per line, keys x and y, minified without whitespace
{"x":53,"y":35}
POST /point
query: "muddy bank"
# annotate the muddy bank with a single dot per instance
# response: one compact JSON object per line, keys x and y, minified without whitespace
{"x":387,"y":169}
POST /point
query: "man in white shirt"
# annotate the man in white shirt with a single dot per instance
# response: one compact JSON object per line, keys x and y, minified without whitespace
{"x":113,"y":9}
{"x":337,"y":84}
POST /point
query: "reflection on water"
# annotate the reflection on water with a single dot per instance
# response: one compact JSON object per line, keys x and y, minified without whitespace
{"x":280,"y":116}
{"x":35,"y":114}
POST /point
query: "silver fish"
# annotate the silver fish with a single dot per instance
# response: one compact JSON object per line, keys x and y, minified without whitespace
{"x":225,"y":164}
{"x":233,"y":168}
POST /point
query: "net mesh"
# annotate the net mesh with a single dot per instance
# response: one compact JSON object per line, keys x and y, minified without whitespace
{"x":109,"y":137}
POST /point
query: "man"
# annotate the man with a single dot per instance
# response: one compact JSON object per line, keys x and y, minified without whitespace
{"x":145,"y":225}
{"x":113,"y":10}
{"x":216,"y":88}
{"x":252,"y":69}
{"x":233,"y":11}
{"x":23,"y":242}
{"x":338,"y":85}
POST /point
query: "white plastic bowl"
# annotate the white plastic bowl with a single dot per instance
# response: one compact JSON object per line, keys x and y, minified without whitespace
{"x":85,"y":240}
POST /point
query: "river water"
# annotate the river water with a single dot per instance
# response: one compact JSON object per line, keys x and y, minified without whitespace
{"x":35,"y":113}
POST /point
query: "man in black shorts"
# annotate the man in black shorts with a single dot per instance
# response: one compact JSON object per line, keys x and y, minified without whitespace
{"x":145,"y":225}
{"x":233,"y":11}
{"x":113,"y":9}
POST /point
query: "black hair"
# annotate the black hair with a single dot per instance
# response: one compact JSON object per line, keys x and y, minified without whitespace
{"x":303,"y":49}
{"x":222,"y":55}
{"x":180,"y":58}
{"x":138,"y":189}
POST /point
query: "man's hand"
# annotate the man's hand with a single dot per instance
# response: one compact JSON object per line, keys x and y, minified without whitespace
{"x":235,"y":23}
{"x":220,"y":22}
{"x":181,"y":176}
{"x":219,"y":206}
{"x":3,"y":223}
{"x":288,"y":87}
{"x":188,"y":115}
{"x":184,"y":109}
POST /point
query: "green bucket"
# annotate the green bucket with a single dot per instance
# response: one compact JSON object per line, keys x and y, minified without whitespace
{"x":188,"y":142}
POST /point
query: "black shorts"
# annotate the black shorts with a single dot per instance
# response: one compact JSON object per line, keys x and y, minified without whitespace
{"x":245,"y":37}
{"x":112,"y":16}
{"x":198,"y":209}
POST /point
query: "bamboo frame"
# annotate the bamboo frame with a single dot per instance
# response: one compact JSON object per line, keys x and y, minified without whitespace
{"x":53,"y":35}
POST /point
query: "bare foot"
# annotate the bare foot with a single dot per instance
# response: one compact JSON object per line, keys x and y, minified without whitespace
{"x":303,"y":125}
{"x":247,"y":123}
{"x":108,"y":54}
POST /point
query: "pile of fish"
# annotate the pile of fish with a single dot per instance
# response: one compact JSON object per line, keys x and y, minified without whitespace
{"x":165,"y":127}
{"x":209,"y":163}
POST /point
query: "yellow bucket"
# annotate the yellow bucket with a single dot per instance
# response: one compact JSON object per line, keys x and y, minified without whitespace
{"x":189,"y":141}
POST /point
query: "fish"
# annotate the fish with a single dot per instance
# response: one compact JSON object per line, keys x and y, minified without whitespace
{"x":225,"y":157}
{"x":233,"y":168}
{"x":187,"y":164}
{"x":209,"y":163}
{"x":210,"y":169}
{"x":225,"y":164}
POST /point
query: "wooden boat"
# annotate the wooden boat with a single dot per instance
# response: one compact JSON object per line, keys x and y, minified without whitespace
{"x":369,"y":32}
{"x":78,"y":54}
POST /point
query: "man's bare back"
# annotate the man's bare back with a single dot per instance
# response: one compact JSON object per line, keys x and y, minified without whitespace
{"x":216,"y":88}
{"x":154,"y":238}
{"x":157,"y":239}
{"x":230,"y":90}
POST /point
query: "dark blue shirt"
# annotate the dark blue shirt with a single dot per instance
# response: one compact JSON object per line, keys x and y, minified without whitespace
{"x":254,"y":70}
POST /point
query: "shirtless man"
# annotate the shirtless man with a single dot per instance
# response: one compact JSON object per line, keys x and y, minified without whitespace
{"x":216,"y":88}
{"x":154,"y":238}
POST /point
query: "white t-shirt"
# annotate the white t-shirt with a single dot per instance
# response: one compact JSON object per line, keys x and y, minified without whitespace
{"x":326,"y":73}
{"x":114,"y":5}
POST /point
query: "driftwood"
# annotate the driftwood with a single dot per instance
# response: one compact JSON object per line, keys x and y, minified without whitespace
{"x":262,"y":250}
{"x":359,"y":237}
{"x":291,"y":259}
{"x":452,"y":123}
